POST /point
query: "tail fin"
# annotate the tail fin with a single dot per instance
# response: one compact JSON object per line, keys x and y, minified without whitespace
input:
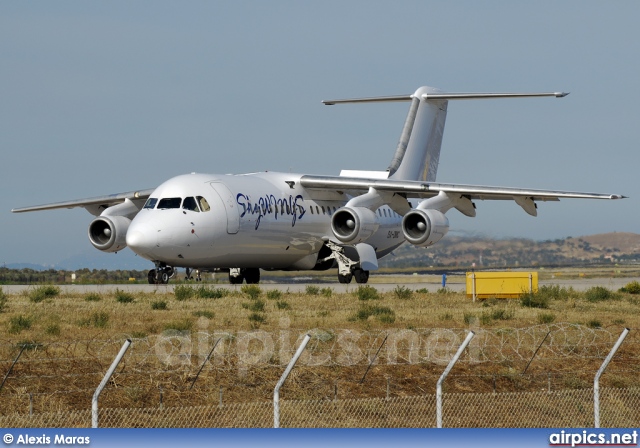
{"x":418,"y":151}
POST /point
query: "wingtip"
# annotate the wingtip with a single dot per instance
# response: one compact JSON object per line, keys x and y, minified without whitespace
{"x":561,"y":94}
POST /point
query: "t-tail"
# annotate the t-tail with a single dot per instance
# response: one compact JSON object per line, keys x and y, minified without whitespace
{"x":418,"y":151}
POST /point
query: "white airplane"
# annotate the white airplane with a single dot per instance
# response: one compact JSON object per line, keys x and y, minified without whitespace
{"x":284,"y":221}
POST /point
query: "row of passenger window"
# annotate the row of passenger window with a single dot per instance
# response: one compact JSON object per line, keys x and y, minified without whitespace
{"x":195,"y":204}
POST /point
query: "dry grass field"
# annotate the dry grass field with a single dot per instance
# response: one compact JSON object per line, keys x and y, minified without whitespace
{"x":554,"y":339}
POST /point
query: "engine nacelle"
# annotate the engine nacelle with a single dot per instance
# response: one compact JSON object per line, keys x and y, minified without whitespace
{"x":354,"y":225}
{"x":424,"y":227}
{"x":109,"y":233}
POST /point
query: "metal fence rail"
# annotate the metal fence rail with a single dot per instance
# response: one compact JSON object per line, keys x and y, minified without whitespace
{"x":565,"y":408}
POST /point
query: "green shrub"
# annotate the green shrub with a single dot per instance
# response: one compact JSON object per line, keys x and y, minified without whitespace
{"x":211,"y":293}
{"x":383,"y":313}
{"x":253,"y":291}
{"x":422,"y":291}
{"x":594,"y":323}
{"x":52,"y":330}
{"x":282,"y":305}
{"x":445,"y":291}
{"x":205,"y":313}
{"x":3,"y":300}
{"x":159,"y":305}
{"x":546,"y":318}
{"x":183,"y":292}
{"x":93,"y":297}
{"x":402,"y":292}
{"x":179,"y":325}
{"x":534,"y":300}
{"x":123,"y":296}
{"x":599,"y":294}
{"x":274,"y":294}
{"x":555,"y":292}
{"x":312,"y":290}
{"x":99,"y":319}
{"x":367,"y":293}
{"x":19,"y":323}
{"x":469,"y":318}
{"x":257,"y":318}
{"x":255,"y":305}
{"x":631,"y":288}
{"x":326,"y":292}
{"x":40,"y":293}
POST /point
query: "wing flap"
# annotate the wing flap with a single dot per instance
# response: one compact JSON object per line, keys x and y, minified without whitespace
{"x":430,"y":189}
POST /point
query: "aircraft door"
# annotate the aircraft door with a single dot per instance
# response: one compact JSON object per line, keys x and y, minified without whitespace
{"x":233,"y":218}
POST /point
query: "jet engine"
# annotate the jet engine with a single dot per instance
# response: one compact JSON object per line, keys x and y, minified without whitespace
{"x":424,"y":227}
{"x":108,"y":233}
{"x":354,"y":225}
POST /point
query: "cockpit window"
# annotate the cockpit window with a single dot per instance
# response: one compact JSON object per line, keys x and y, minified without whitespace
{"x":169,"y":203}
{"x":190,"y":204}
{"x":204,"y":205}
{"x":151,"y":203}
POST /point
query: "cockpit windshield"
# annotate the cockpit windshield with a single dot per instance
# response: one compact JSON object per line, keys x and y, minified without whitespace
{"x":169,"y":203}
{"x":190,"y":204}
{"x":194,"y":204}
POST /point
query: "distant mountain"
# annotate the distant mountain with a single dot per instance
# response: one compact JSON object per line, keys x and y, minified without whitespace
{"x":617,"y":247}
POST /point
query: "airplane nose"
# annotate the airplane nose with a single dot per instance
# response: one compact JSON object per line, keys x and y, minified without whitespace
{"x":141,"y":239}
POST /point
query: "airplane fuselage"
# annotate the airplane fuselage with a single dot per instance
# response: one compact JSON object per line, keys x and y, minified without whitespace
{"x":266,"y":220}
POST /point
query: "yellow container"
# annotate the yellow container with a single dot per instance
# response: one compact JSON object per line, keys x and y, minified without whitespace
{"x":501,"y":285}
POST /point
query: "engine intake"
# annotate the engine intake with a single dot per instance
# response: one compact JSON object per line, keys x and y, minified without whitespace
{"x":424,"y":227}
{"x":109,"y":233}
{"x":354,"y":225}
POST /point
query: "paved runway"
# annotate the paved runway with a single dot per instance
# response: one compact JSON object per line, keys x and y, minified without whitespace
{"x":431,"y":283}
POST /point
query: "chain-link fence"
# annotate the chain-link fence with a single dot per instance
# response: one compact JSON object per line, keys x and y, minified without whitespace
{"x":567,"y":408}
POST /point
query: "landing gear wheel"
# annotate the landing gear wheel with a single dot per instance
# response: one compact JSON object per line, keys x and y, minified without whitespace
{"x":251,"y":275}
{"x":151,"y":276}
{"x":235,"y":276}
{"x":345,"y":278}
{"x":164,"y":277}
{"x":361,"y":275}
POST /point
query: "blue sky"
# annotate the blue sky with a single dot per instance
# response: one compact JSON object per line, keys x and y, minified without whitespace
{"x":106,"y":97}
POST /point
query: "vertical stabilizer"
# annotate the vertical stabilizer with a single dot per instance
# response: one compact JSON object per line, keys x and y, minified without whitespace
{"x":418,"y":151}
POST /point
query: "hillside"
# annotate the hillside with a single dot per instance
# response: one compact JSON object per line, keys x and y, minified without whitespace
{"x":616,"y":247}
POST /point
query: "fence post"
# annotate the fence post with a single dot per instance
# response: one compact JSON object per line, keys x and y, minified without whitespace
{"x":96,"y":394}
{"x":596,"y":380}
{"x":276,"y":390}
{"x":14,"y":363}
{"x":444,"y":375}
{"x":473,"y":286}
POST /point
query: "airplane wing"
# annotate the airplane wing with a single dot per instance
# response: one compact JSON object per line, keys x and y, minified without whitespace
{"x":93,"y":205}
{"x":525,"y":197}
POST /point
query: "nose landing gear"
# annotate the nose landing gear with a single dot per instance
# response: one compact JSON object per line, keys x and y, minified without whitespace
{"x":161,"y":274}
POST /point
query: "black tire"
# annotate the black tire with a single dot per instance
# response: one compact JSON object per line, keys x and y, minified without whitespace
{"x":251,"y":275}
{"x":361,"y":276}
{"x":164,"y":277}
{"x":151,"y":276}
{"x":345,"y":278}
{"x":235,"y":280}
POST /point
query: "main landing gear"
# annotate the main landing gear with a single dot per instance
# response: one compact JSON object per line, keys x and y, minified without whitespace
{"x":161,"y":274}
{"x":250,"y":275}
{"x":347,"y":268}
{"x":190,"y":277}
